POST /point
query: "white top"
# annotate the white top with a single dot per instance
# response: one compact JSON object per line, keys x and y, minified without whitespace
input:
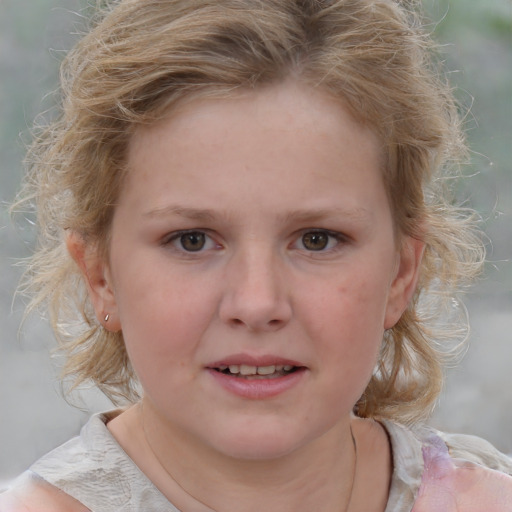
{"x":94,"y":469}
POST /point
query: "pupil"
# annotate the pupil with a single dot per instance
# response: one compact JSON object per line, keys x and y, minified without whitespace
{"x":193,"y":241}
{"x":315,"y":241}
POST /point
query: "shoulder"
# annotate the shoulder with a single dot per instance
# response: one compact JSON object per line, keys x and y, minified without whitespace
{"x":477,"y":450}
{"x":55,"y":482}
{"x":448,"y":472}
{"x":464,"y":473}
{"x":32,"y":494}
{"x":95,"y":470}
{"x":422,"y":445}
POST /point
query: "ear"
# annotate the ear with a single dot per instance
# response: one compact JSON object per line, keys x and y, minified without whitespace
{"x":98,"y":279}
{"x":405,"y":280}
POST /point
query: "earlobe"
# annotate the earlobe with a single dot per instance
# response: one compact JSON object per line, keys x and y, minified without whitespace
{"x":405,"y":280}
{"x":98,"y":279}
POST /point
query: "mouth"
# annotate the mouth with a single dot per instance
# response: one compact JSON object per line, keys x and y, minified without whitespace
{"x":244,"y":371}
{"x":257,"y":377}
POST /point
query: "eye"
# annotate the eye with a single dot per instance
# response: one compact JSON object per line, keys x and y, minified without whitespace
{"x":319,"y":240}
{"x":190,"y":241}
{"x":193,"y":242}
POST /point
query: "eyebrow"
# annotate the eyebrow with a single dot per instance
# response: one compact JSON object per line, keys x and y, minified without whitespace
{"x":300,"y":215}
{"x":181,"y":211}
{"x":356,"y":214}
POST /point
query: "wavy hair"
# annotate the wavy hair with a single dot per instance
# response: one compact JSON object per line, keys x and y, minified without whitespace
{"x":142,"y":57}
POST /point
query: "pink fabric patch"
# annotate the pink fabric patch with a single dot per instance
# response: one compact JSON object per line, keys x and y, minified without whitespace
{"x":454,"y":485}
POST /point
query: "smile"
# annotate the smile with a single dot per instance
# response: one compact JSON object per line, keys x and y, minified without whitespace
{"x":257,"y":378}
{"x":256,"y":372}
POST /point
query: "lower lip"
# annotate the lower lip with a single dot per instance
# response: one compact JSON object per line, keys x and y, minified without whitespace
{"x":258,"y":389}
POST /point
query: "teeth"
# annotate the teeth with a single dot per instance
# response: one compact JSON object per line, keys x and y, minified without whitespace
{"x":247,"y":370}
{"x":266,"y":370}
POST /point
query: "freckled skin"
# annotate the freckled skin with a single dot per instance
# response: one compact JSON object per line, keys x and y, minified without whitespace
{"x":329,"y":311}
{"x":254,"y":173}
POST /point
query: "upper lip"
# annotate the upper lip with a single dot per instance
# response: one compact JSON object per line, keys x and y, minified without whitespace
{"x":250,"y":360}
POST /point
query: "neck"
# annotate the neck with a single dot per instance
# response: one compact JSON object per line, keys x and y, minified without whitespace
{"x":319,"y":476}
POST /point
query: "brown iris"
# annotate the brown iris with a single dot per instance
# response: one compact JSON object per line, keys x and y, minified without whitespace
{"x":193,"y":241}
{"x":315,"y":241}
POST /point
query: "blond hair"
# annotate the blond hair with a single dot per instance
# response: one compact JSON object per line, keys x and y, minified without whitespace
{"x":143,"y":56}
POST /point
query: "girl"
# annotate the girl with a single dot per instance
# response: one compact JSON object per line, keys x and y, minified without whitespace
{"x":244,"y":232}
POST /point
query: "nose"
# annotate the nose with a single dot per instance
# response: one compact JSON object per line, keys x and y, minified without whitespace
{"x":255,"y":294}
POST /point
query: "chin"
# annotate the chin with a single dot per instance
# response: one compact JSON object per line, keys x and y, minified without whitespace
{"x":258,"y":450}
{"x":259,"y":443}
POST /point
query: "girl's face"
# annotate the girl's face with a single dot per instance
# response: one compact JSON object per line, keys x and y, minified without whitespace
{"x":254,"y":268}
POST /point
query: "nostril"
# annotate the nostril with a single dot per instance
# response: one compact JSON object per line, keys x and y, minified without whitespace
{"x":237,"y":321}
{"x":270,"y":324}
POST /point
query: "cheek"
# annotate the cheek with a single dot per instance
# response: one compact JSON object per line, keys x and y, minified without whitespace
{"x":346,"y":319}
{"x":353,"y":307}
{"x":162,"y":316}
{"x":161,"y":334}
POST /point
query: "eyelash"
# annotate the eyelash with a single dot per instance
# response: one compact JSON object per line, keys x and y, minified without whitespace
{"x":170,"y":239}
{"x":174,"y":238}
{"x":339,"y":238}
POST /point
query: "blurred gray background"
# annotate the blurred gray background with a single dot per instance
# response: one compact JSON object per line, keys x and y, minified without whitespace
{"x":34,"y":417}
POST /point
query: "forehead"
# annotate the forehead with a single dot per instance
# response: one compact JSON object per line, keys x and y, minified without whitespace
{"x":289,"y":110}
{"x":265,"y":158}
